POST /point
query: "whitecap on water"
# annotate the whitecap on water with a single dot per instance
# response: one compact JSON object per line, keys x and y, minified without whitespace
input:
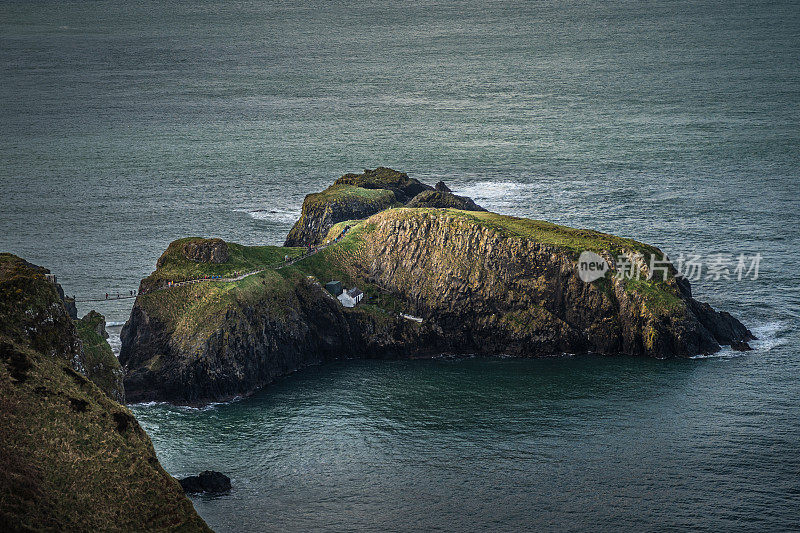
{"x":768,"y":337}
{"x":185,"y":408}
{"x":499,"y":196}
{"x":114,"y":339}
{"x":284,"y":216}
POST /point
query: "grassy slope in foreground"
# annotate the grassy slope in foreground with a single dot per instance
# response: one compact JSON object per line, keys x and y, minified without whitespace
{"x":72,"y":458}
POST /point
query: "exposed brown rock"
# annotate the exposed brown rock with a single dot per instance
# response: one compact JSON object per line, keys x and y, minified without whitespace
{"x":206,"y":251}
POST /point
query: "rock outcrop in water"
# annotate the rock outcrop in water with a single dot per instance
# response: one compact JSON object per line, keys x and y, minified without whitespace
{"x":481,"y":283}
{"x":444,"y":199}
{"x":72,"y":458}
{"x":207,"y":481}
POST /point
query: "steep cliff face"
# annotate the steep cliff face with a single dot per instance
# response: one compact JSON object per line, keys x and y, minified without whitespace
{"x":481,"y":282}
{"x":504,"y":285}
{"x":271,"y":327}
{"x":72,"y":458}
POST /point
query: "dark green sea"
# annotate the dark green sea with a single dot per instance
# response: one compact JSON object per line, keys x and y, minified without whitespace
{"x":127,"y":124}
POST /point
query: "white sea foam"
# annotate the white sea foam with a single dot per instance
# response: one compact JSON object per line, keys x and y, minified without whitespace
{"x":499,"y":196}
{"x":114,"y":324}
{"x":285,"y":216}
{"x":115,"y":341}
{"x":768,"y":337}
{"x":726,"y":352}
{"x":206,"y":407}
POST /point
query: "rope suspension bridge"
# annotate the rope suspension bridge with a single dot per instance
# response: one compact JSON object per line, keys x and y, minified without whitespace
{"x":172,"y":284}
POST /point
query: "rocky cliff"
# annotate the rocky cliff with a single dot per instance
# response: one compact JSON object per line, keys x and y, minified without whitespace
{"x":481,"y":282}
{"x":444,"y":199}
{"x":72,"y":458}
{"x":98,"y":360}
{"x":357,"y":196}
{"x":214,"y":341}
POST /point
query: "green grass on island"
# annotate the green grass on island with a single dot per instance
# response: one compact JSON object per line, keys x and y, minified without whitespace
{"x":336,"y":193}
{"x":175,"y":266}
{"x":197,"y":309}
{"x":190,"y":307}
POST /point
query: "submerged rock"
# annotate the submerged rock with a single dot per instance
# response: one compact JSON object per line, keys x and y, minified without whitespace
{"x":207,"y":481}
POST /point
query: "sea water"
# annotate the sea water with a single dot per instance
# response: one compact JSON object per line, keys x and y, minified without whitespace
{"x":126,"y":125}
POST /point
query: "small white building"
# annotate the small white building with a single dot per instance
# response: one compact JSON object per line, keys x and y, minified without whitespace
{"x":351,"y":297}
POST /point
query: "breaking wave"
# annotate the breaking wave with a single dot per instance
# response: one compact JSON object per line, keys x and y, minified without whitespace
{"x":284,"y":216}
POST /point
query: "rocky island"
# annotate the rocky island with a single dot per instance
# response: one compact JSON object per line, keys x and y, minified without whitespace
{"x":72,"y":457}
{"x":475,"y":282}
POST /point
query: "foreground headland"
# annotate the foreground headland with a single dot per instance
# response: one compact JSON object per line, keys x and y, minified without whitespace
{"x":439,"y":273}
{"x":72,"y":457}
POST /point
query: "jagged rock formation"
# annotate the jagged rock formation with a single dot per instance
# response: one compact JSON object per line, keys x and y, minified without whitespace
{"x":351,"y":197}
{"x":403,"y":187}
{"x":99,"y":362}
{"x":443,"y":199}
{"x":357,"y":196}
{"x":69,"y":303}
{"x":206,"y":250}
{"x":66,"y":447}
{"x":483,"y":283}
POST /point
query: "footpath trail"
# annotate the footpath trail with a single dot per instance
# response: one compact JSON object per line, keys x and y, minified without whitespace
{"x":240,"y":277}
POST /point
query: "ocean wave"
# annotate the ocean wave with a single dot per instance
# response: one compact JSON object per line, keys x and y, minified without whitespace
{"x":500,"y":196}
{"x":115,"y":341}
{"x":725,"y":352}
{"x":769,"y":335}
{"x":112,"y":324}
{"x":188,"y":408}
{"x":284,"y":216}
